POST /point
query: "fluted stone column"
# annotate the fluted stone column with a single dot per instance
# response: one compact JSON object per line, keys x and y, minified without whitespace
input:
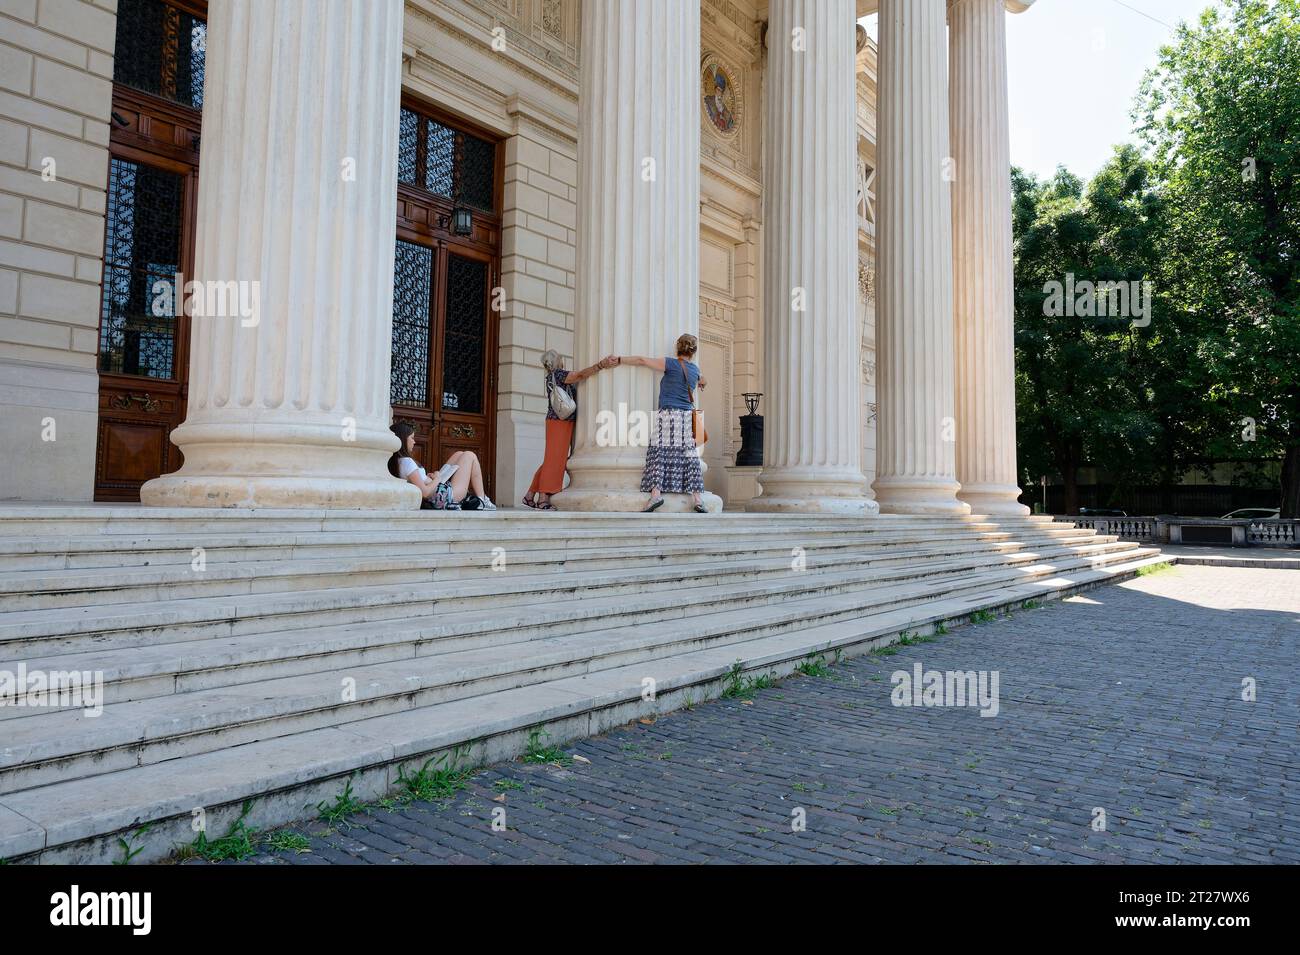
{"x":916,"y":416}
{"x":638,"y":269}
{"x":812,"y":445}
{"x":290,"y":407}
{"x":981,"y":237}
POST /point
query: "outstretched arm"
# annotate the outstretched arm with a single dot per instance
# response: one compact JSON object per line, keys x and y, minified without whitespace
{"x":576,"y":376}
{"x":656,"y":363}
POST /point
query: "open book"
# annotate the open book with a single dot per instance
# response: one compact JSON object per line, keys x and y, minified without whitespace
{"x":445,"y":472}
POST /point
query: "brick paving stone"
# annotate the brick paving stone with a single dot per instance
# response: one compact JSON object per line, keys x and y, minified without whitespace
{"x":1126,"y":698}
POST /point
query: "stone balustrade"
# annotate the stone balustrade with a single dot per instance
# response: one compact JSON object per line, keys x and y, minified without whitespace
{"x":1167,"y":529}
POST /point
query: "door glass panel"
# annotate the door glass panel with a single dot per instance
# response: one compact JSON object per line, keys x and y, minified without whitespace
{"x":477,"y":172}
{"x":441,"y":153}
{"x":408,"y":148}
{"x":141,"y":258}
{"x":464,"y":337}
{"x":412,"y":286}
{"x":160,"y":50}
{"x":446,"y":162}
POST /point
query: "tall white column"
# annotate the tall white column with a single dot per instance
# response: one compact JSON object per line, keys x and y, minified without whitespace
{"x":981,"y":238}
{"x":916,"y":416}
{"x":638,"y":268}
{"x":812,"y":415}
{"x":290,"y":407}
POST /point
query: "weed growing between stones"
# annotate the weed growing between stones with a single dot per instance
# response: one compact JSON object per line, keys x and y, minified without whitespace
{"x":742,"y":687}
{"x":125,"y":844}
{"x":344,"y":805}
{"x":432,"y":782}
{"x":537,"y":752}
{"x":239,"y":842}
{"x":288,"y":841}
{"x":814,"y":666}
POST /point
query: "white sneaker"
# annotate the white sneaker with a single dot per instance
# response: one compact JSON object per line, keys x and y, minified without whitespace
{"x":487,"y":504}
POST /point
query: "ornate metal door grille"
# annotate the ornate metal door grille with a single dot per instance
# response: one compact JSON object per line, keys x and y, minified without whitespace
{"x":141,"y":258}
{"x":464,"y":330}
{"x":446,"y":162}
{"x":160,"y":49}
{"x":412,"y":294}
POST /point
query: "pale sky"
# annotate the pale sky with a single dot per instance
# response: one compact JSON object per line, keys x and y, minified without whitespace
{"x":1073,"y":68}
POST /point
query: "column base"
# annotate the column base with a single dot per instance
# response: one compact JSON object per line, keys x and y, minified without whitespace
{"x":920,"y":496}
{"x":993,"y":499}
{"x":835,"y":492}
{"x":278,"y":465}
{"x":178,"y":490}
{"x":615,"y":501}
{"x":609,"y":480}
{"x":847,"y":506}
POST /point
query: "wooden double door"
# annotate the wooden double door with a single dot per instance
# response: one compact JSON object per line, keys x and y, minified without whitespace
{"x":159,"y":60}
{"x":444,"y":348}
{"x":144,"y":334}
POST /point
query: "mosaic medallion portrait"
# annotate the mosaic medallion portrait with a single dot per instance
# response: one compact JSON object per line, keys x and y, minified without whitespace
{"x":721,"y":97}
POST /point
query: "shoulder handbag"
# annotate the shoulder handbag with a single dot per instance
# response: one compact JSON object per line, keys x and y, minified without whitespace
{"x":562,"y":402}
{"x":697,"y":416}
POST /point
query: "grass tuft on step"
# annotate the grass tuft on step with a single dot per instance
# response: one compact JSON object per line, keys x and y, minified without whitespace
{"x":239,"y":842}
{"x":539,"y":752}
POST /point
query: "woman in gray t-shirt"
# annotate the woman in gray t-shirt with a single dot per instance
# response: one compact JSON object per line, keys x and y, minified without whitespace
{"x":672,"y":463}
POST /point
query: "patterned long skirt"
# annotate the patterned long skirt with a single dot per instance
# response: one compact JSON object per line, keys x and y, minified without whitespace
{"x":671,"y":462}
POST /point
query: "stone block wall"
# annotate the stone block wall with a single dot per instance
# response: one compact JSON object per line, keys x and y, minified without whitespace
{"x":56,"y":69}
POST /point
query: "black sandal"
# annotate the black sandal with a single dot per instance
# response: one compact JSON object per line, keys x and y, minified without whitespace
{"x":653,"y":505}
{"x":701,"y":509}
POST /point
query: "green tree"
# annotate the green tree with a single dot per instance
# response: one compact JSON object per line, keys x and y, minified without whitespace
{"x":1084,"y":394}
{"x":1221,"y":115}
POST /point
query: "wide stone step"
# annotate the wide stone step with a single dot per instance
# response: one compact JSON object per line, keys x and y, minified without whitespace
{"x":26,"y":634}
{"x":133,"y":673}
{"x":429,"y":540}
{"x":172,"y":550}
{"x":66,"y":521}
{"x":50,"y":744}
{"x":45,"y":589}
{"x":78,"y":820}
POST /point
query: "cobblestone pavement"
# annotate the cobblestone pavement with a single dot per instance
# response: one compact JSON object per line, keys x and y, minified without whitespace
{"x":1126,"y":699}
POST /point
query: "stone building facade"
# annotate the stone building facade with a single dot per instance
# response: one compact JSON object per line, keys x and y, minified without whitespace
{"x":293,"y":140}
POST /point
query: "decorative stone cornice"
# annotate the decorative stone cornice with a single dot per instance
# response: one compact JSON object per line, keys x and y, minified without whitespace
{"x":538,"y":61}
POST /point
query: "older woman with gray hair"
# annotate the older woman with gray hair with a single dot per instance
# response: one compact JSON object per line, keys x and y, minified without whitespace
{"x":561,"y":416}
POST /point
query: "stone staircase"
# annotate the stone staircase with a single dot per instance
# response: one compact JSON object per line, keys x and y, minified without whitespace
{"x":274,"y":655}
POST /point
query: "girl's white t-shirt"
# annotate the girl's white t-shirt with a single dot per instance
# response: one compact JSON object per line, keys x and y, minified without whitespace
{"x":406,"y":465}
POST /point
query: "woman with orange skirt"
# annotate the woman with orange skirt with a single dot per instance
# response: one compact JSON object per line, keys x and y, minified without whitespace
{"x":549,"y":478}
